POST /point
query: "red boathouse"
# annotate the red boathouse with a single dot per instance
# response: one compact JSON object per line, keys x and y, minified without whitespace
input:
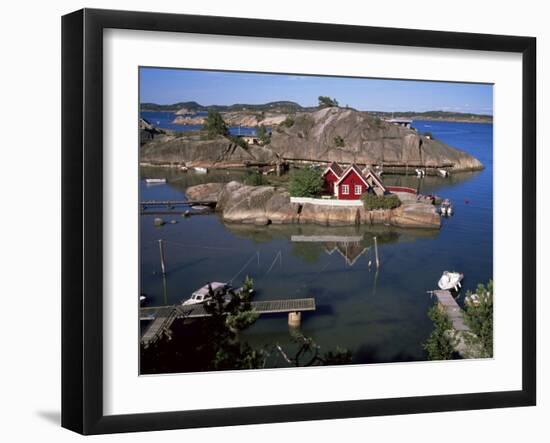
{"x":351,"y":183}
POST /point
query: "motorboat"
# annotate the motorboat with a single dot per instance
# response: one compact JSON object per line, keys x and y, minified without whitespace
{"x":420,"y":172}
{"x":155,"y":181}
{"x":446,"y":207}
{"x":450,"y":280}
{"x":443,"y":172}
{"x":200,"y":169}
{"x":206,"y":293}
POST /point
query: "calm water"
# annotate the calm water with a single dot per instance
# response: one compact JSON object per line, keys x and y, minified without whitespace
{"x":380,"y":317}
{"x":164,"y":120}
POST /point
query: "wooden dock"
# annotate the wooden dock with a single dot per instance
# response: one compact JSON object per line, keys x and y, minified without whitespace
{"x":451,"y":308}
{"x":163,"y":317}
{"x":460,"y":331}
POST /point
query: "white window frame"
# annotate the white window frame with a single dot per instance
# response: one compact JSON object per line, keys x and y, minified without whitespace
{"x":345,"y":189}
{"x":358,"y":187}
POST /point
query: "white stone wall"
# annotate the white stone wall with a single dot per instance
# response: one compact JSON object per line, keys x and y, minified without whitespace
{"x":325,"y":201}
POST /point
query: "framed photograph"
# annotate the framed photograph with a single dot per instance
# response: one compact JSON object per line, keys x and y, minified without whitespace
{"x":270,"y":221}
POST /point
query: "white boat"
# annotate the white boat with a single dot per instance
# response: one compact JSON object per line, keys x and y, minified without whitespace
{"x":446,"y":207}
{"x":200,"y":169}
{"x":420,"y":172}
{"x":450,"y":280}
{"x":443,"y":172}
{"x":184,"y":168}
{"x":201,"y":207}
{"x":205,"y":293}
{"x":153,"y":181}
{"x":142,"y":298}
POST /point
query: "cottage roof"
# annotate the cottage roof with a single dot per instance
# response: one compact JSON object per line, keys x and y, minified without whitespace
{"x":336,"y":168}
{"x":368,"y":171}
{"x":353,"y":167}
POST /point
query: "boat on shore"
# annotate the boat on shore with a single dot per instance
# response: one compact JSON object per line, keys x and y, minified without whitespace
{"x":155,"y":181}
{"x":420,"y":172}
{"x":201,"y":170}
{"x":450,"y":280}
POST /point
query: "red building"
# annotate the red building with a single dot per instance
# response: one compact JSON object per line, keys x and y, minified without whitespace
{"x":351,"y":183}
{"x":331,"y":176}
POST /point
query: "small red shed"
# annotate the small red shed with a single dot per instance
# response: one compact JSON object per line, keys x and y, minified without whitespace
{"x":331,"y":175}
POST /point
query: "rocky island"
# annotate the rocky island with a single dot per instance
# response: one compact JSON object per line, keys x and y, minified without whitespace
{"x":320,"y":136}
{"x":263,"y":205}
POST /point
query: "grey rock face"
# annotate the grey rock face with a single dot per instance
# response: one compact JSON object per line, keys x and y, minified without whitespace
{"x":262,"y":205}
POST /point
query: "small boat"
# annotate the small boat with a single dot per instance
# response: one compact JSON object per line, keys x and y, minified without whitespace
{"x":205,"y":293}
{"x":450,"y":280}
{"x":420,"y":172}
{"x":142,"y":298}
{"x":155,"y":181}
{"x":200,"y":169}
{"x":201,"y":207}
{"x":184,"y":168}
{"x":443,"y":172}
{"x":446,"y":207}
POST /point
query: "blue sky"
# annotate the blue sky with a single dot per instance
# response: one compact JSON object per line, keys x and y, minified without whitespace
{"x":167,"y":86}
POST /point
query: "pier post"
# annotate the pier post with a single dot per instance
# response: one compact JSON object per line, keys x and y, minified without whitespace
{"x":161,"y":251}
{"x":294,"y":319}
{"x":376,"y":253}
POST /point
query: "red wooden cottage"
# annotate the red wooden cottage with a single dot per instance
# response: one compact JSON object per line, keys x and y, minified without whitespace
{"x":351,"y":183}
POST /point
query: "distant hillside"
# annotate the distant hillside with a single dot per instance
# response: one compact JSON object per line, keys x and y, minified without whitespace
{"x":435,"y":115}
{"x":192,"y":106}
{"x":290,"y":107}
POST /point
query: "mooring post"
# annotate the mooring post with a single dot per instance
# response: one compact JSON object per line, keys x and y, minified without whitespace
{"x":161,"y":251}
{"x":376,"y":252}
{"x":294,"y":319}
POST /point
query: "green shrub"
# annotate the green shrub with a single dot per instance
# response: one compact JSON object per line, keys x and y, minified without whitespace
{"x":373,"y":201}
{"x":439,"y":345}
{"x":479,"y":317}
{"x":339,"y":142}
{"x":239,"y":141}
{"x":214,"y":124}
{"x":288,"y":122}
{"x":306,"y":182}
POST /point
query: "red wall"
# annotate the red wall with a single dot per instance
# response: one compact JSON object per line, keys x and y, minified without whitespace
{"x":351,"y":179}
{"x":330,"y":179}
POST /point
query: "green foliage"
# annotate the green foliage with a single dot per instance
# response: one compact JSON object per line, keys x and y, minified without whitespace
{"x":241,"y":320}
{"x":239,"y":141}
{"x":254,"y":178}
{"x":288,"y":122}
{"x":248,"y":284}
{"x":339,"y":142}
{"x":214,"y":124}
{"x":478,"y":316}
{"x":373,"y":201}
{"x":327,"y":102}
{"x":263,"y":135}
{"x":439,"y":345}
{"x":307,"y":182}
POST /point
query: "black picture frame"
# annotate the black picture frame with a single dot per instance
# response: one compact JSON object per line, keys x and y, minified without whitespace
{"x":82,"y":230}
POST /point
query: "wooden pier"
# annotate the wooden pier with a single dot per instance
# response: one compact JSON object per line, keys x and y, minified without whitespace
{"x":163,"y":317}
{"x":460,"y":331}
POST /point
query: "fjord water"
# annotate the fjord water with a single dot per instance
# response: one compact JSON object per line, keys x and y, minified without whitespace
{"x":378,"y":316}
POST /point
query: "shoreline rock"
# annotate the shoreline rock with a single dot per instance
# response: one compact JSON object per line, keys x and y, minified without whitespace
{"x":263,"y":205}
